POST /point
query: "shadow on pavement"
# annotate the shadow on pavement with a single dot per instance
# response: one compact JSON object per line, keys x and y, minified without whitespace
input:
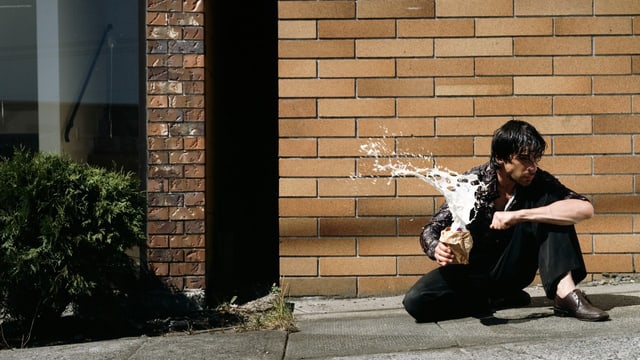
{"x":603,"y":301}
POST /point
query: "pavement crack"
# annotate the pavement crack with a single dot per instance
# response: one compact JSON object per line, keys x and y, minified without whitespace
{"x":286,"y":344}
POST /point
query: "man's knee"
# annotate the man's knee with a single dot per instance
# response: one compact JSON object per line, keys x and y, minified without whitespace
{"x":414,"y":304}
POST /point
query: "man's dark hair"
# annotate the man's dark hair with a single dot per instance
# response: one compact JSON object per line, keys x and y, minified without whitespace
{"x":516,"y":137}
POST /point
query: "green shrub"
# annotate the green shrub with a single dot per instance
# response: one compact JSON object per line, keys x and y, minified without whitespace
{"x":65,"y":229}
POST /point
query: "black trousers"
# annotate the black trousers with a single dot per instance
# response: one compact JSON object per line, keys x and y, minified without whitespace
{"x":455,"y":290}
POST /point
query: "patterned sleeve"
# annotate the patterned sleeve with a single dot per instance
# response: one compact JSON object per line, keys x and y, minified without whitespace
{"x":430,"y":235}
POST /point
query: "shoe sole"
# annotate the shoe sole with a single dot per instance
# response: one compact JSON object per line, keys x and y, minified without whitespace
{"x":565,"y":313}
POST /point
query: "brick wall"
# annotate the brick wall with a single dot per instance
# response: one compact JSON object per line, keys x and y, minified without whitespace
{"x":438,"y":76}
{"x":176,"y":147}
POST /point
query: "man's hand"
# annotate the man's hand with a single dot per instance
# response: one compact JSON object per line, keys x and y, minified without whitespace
{"x":444,"y":255}
{"x":503,"y":220}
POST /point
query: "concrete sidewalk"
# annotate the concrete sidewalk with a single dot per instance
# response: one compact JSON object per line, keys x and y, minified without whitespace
{"x":378,"y":328}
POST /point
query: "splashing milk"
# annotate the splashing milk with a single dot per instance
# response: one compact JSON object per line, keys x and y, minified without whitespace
{"x":458,"y":189}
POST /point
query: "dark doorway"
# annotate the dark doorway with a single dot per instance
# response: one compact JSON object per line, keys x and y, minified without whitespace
{"x":242,"y":159}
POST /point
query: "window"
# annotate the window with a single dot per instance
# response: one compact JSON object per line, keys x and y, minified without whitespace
{"x":70,"y":75}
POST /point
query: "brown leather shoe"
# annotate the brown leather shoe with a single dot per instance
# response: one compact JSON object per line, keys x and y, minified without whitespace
{"x":576,"y":304}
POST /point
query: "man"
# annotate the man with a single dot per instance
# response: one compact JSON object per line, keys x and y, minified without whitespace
{"x":523,"y":222}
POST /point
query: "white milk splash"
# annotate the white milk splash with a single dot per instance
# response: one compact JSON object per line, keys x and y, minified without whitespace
{"x":458,"y":189}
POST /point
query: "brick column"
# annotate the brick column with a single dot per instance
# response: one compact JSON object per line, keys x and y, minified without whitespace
{"x":176,"y":142}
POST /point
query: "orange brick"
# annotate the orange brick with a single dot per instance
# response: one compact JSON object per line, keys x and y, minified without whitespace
{"x":598,"y":184}
{"x":603,"y":104}
{"x":435,"y":107}
{"x":615,"y":45}
{"x":297,"y":187}
{"x":297,"y":69}
{"x":596,"y":144}
{"x":380,"y":246}
{"x":297,"y":108}
{"x":636,"y":223}
{"x":311,"y":49}
{"x":316,"y":88}
{"x":395,"y":87}
{"x":498,"y":46}
{"x":435,"y":28}
{"x":514,"y":66}
{"x":375,"y":265}
{"x":395,"y":127}
{"x":316,"y":207}
{"x":297,"y":29}
{"x":356,"y":187}
{"x":395,"y":9}
{"x":384,"y":285}
{"x":314,"y":127}
{"x":617,"y":7}
{"x":452,"y":126}
{"x":602,"y":224}
{"x":609,"y":263}
{"x":435,"y":67}
{"x":410,"y":226}
{"x":551,"y":7}
{"x":562,"y":124}
{"x":346,"y":147}
{"x":617,"y":203}
{"x":395,"y":206}
{"x":318,"y":246}
{"x":298,"y":266}
{"x":468,"y":86}
{"x":636,"y":103}
{"x":616,"y":85}
{"x":586,"y":243}
{"x":538,"y":85}
{"x":437,"y":146}
{"x":635,"y":63}
{"x":616,"y":164}
{"x":297,"y":148}
{"x":356,"y":29}
{"x":617,"y":243}
{"x":374,"y":226}
{"x":608,"y":124}
{"x":356,"y":107}
{"x":326,"y":286}
{"x":593,"y":26}
{"x":370,"y":48}
{"x":574,"y":45}
{"x":316,"y":167}
{"x":473,"y":8}
{"x":298,"y":227}
{"x":566,"y":165}
{"x":586,"y":65}
{"x":356,"y":68}
{"x":513,"y":106}
{"x":415,"y":265}
{"x":514,"y":27}
{"x":315,"y":9}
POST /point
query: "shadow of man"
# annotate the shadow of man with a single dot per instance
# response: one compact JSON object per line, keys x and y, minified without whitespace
{"x":604,"y":301}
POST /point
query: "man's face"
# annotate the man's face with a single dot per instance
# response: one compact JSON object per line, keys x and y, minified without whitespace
{"x":522,"y":168}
